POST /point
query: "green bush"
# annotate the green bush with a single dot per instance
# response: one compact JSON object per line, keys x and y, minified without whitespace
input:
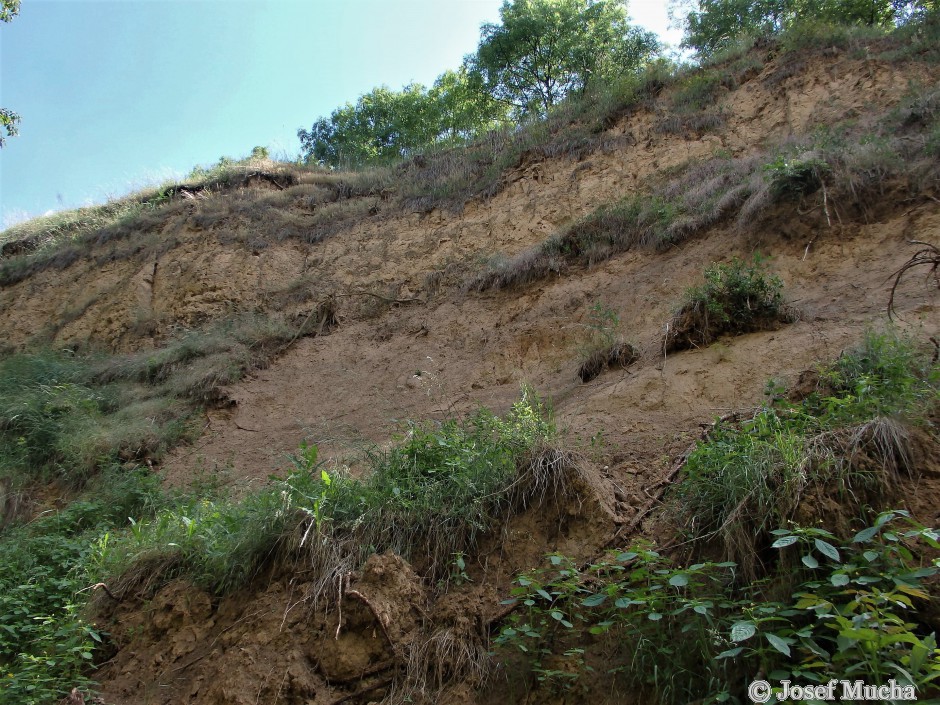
{"x":736,"y":298}
{"x":697,"y":91}
{"x":46,"y":646}
{"x":429,"y":497}
{"x":737,"y":295}
{"x":848,"y":436}
{"x":683,"y":633}
{"x":796,"y":175}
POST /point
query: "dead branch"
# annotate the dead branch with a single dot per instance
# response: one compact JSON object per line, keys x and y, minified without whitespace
{"x":661,"y":486}
{"x":326,"y":310}
{"x":386,"y":299}
{"x":374,"y":670}
{"x":928,"y":255}
{"x":102,"y":586}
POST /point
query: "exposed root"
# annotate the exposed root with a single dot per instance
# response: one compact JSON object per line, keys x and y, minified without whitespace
{"x":694,"y":325}
{"x":331,"y":561}
{"x":359,"y":694}
{"x":375,"y":613}
{"x":547,"y":471}
{"x":144,"y":577}
{"x":445,"y":657}
{"x":929,"y":256}
{"x":660,"y":487}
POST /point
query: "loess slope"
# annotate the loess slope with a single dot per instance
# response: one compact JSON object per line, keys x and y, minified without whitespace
{"x":411,"y":343}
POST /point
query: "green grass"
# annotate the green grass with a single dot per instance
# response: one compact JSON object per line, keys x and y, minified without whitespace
{"x":56,"y":422}
{"x":69,"y":423}
{"x":46,"y":645}
{"x":57,"y":240}
{"x":430,"y":497}
{"x":847,"y":439}
{"x":63,"y":415}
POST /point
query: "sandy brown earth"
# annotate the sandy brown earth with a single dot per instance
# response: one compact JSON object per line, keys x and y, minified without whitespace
{"x":446,"y":352}
{"x":189,"y":273}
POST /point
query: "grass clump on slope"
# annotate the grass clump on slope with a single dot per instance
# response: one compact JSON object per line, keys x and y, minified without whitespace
{"x":429,"y":497}
{"x":849,"y":437}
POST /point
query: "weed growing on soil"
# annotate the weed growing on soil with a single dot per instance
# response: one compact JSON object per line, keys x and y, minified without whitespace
{"x":849,"y":436}
{"x":829,"y":171}
{"x":428,"y":498}
{"x":58,"y":422}
{"x":736,"y":298}
{"x":64,"y":414}
{"x":46,"y":647}
{"x":605,"y":346}
{"x":684,"y":632}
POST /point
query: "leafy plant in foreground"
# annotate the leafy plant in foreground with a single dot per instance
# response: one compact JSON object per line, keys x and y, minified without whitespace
{"x":689,"y":631}
{"x":46,"y":646}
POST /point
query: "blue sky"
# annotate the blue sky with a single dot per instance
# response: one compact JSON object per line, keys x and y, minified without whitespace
{"x":118,"y":94}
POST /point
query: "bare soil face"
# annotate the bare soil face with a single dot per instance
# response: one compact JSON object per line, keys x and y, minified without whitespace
{"x":447,"y":353}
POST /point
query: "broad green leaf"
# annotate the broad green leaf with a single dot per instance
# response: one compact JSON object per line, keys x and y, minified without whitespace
{"x":839,"y":579}
{"x":828,"y":550}
{"x":741,"y":631}
{"x":779,"y":644}
{"x":865,"y":534}
{"x":784,"y":541}
{"x":810,"y":561}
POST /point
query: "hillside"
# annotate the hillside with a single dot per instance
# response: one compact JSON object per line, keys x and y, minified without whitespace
{"x":280,"y":304}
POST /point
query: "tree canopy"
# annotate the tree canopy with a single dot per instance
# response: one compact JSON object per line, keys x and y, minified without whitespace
{"x":712,"y":24}
{"x":384,"y":125}
{"x":542,"y":50}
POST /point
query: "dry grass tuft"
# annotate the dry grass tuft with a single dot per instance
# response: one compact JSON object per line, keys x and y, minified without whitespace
{"x":436,"y":661}
{"x":546,"y":472}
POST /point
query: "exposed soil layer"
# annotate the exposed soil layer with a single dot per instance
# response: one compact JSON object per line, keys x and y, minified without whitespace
{"x":410,"y":346}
